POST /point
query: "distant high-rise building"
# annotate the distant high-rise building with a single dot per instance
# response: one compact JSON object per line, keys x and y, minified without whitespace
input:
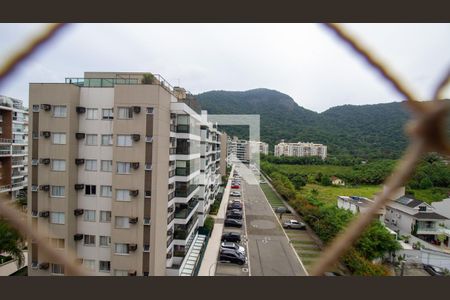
{"x":124,"y":170}
{"x":13,"y":146}
{"x":300,"y":149}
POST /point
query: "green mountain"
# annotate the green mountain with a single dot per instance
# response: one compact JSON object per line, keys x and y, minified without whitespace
{"x":365,"y":131}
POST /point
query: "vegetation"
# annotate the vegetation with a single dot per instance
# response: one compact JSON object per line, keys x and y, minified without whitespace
{"x":11,"y":242}
{"x":148,"y":78}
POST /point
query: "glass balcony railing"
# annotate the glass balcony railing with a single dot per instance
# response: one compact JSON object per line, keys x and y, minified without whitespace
{"x":182,"y":231}
{"x":184,"y":211}
{"x":185,"y":192}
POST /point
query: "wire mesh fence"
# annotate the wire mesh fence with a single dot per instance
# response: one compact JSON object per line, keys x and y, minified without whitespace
{"x":426,"y":130}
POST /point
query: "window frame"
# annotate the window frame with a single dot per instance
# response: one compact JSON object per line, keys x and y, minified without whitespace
{"x":54,"y":107}
{"x":60,"y":134}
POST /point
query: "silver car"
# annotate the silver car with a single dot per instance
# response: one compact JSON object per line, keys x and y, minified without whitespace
{"x":233,"y":246}
{"x":294,"y":224}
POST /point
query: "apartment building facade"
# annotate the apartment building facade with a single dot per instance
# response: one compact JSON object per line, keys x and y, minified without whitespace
{"x":300,"y":149}
{"x":259,"y":147}
{"x":13,"y":146}
{"x":115,"y":176}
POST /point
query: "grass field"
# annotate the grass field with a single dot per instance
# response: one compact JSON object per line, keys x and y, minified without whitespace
{"x":312,"y":170}
{"x":273,"y":198}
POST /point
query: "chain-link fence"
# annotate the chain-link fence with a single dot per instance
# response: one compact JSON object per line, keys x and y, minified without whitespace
{"x":427,"y":133}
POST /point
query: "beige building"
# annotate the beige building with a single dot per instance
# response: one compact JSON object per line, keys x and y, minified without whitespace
{"x":259,"y":147}
{"x":13,"y":146}
{"x":300,"y":149}
{"x":116,"y":174}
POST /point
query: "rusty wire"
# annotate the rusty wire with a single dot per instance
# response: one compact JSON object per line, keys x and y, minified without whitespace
{"x":427,"y":133}
{"x":29,"y":49}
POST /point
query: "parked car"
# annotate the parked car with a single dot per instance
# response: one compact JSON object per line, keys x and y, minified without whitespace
{"x":232,"y":223}
{"x":434,"y":270}
{"x":235,"y":194}
{"x":294,"y":224}
{"x":232,"y":256}
{"x":231,"y":237}
{"x":235,"y":205}
{"x":232,"y":246}
{"x":234,"y":215}
{"x":236,"y":211}
{"x":235,"y":186}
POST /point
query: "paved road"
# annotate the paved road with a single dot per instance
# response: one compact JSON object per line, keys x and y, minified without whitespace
{"x":270,"y":253}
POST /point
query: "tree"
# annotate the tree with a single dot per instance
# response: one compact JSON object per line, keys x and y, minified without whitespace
{"x":299,"y":181}
{"x":10,"y":242}
{"x":326,"y":181}
{"x":318,"y":177}
{"x":148,"y":78}
{"x":425,"y":183}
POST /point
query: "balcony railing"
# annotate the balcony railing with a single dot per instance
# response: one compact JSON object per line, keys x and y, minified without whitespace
{"x":184,"y":212}
{"x":183,"y":233}
{"x":187,"y":191}
{"x":183,"y":128}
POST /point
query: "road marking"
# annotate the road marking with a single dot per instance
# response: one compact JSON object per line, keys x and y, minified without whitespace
{"x":276,"y":217}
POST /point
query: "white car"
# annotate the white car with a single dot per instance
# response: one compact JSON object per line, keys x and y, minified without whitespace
{"x":235,"y":194}
{"x":232,"y":246}
{"x":294,"y":224}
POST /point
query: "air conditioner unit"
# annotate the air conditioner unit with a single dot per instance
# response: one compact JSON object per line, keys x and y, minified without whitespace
{"x":146,"y":248}
{"x":46,"y":134}
{"x":34,"y":162}
{"x":45,"y":161}
{"x":44,"y":187}
{"x":169,"y":232}
{"x":173,"y":115}
{"x":46,"y":107}
{"x":81,"y":109}
{"x":148,"y":167}
{"x":34,"y":265}
{"x":79,"y":161}
{"x":170,"y":209}
{"x":149,"y":139}
{"x":34,"y":188}
{"x":171,"y":186}
{"x":79,"y":186}
{"x":132,"y":273}
{"x":44,"y":266}
{"x":169,"y":255}
{"x":134,"y":193}
{"x":136,"y":137}
{"x":34,"y":213}
{"x":78,"y":212}
{"x":78,"y":237}
{"x":135,"y":165}
{"x":148,"y":194}
{"x":44,"y":214}
{"x":133,"y":220}
{"x":136,"y":109}
{"x":147,"y":221}
{"x":80,"y":135}
{"x":132,"y":247}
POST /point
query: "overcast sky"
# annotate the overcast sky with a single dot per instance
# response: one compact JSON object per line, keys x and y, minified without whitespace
{"x":304,"y":61}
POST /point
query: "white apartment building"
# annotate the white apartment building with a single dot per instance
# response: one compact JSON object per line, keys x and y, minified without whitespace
{"x":127,"y":153}
{"x":259,"y":147}
{"x":300,"y":149}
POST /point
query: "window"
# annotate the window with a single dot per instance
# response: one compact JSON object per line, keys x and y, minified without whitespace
{"x":125,"y":113}
{"x":120,"y":273}
{"x":121,"y":249}
{"x":90,"y":190}
{"x":57,"y":269}
{"x":59,"y":138}
{"x":123,"y":195}
{"x":107,"y":114}
{"x":106,"y":191}
{"x":57,"y":243}
{"x":91,"y":114}
{"x":107,"y":139}
{"x":57,"y":218}
{"x":105,"y":216}
{"x":91,"y":139}
{"x":57,"y":191}
{"x":58,"y":165}
{"x":104,"y":266}
{"x":124,"y":140}
{"x":122,"y":222}
{"x":422,"y":208}
{"x":35,"y":107}
{"x":106,"y":165}
{"x":91,"y":165}
{"x":105,"y":241}
{"x":123,"y":167}
{"x":89,"y":264}
{"x":59,"y":111}
{"x":89,"y":240}
{"x":89,"y":215}
{"x":150,"y":110}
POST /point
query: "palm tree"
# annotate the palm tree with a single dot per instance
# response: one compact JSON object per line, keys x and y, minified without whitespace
{"x":11,"y":242}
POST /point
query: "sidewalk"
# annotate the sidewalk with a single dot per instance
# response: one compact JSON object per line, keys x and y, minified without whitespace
{"x":209,"y":262}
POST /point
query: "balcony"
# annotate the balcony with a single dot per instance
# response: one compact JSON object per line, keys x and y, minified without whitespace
{"x":185,"y":192}
{"x":182,"y":232}
{"x":185,"y":211}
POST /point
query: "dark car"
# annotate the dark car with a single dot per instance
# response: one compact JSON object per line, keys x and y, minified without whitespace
{"x":231,"y":237}
{"x":234,"y":215}
{"x":236,"y":206}
{"x":232,"y":256}
{"x":434,"y":271}
{"x":232,"y":223}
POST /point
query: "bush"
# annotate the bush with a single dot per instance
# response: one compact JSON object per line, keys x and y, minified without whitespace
{"x":209,"y":224}
{"x":360,"y":266}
